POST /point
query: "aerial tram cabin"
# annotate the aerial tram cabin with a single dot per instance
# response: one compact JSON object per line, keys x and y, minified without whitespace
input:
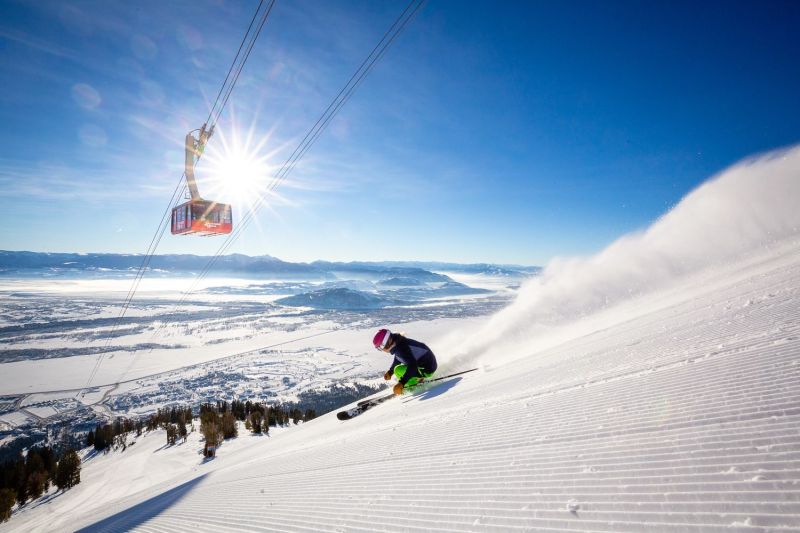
{"x":199,"y":216}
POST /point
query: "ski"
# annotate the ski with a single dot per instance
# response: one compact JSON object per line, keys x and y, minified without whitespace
{"x":423,"y":382}
{"x":365,"y":405}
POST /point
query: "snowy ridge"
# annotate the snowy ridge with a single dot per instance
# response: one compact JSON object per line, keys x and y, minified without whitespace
{"x":680,"y":419}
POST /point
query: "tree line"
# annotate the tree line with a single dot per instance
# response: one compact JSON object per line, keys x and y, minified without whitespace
{"x":115,"y":435}
{"x":28,"y":477}
{"x":218,"y":421}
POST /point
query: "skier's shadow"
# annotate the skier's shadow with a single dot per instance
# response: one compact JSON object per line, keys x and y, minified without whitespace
{"x":436,"y":390}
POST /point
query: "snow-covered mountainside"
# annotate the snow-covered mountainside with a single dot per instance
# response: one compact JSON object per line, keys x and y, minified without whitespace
{"x":674,"y":407}
{"x":683,"y":418}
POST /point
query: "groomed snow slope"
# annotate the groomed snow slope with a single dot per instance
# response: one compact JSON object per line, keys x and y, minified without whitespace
{"x":683,"y":418}
{"x":653,"y":387}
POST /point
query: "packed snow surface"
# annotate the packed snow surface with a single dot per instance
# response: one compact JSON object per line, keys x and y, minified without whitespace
{"x":672,"y":407}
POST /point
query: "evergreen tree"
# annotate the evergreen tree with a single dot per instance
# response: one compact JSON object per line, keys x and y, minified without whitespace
{"x":7,"y":474}
{"x":101,"y":437}
{"x":108,"y":437}
{"x":50,"y":465}
{"x":7,"y":498}
{"x":239,"y":409}
{"x":90,"y":438}
{"x":172,"y":434}
{"x":210,"y":428}
{"x":20,"y":481}
{"x":36,"y":484}
{"x":68,"y":473}
{"x":255,"y":422}
{"x":33,"y":462}
{"x":229,"y":429}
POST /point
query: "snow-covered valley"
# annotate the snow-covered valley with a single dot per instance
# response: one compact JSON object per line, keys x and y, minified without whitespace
{"x":68,"y":359}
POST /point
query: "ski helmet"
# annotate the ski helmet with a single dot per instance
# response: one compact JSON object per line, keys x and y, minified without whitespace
{"x":382,"y":338}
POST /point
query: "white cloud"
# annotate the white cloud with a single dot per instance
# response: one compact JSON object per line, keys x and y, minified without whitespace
{"x":86,"y":96}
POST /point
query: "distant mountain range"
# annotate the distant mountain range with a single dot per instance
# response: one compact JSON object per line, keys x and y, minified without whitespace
{"x":343,"y":295}
{"x":434,"y":266}
{"x":173,"y":263}
{"x":65,"y":264}
{"x":338,"y":298}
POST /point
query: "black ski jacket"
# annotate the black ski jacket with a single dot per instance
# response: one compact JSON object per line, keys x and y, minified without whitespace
{"x":415,"y":355}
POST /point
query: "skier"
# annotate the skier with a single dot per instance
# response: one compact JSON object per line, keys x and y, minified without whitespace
{"x":413,"y":360}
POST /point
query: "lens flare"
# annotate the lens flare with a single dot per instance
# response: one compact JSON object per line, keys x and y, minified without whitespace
{"x":238,"y":170}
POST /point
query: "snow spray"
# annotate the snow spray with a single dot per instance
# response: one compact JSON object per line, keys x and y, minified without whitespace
{"x":749,"y":206}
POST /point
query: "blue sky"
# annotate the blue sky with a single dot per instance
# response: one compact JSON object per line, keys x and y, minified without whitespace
{"x":491,"y":132}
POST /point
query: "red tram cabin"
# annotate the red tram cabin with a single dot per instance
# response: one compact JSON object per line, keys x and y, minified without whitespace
{"x":198,"y":216}
{"x":201,"y":217}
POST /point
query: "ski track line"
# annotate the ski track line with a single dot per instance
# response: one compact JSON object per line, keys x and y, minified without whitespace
{"x":594,"y":432}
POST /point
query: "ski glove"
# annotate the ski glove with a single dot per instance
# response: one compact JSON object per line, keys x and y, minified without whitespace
{"x":388,"y":375}
{"x":398,"y":389}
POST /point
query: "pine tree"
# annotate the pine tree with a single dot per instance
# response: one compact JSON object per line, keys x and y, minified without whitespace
{"x":68,"y":473}
{"x":100,"y":442}
{"x":36,"y":484}
{"x":229,"y":429}
{"x":20,"y":481}
{"x":34,"y":474}
{"x":172,"y":434}
{"x":33,"y":462}
{"x":7,"y":498}
{"x":50,"y":464}
{"x":255,"y":422}
{"x":108,"y":436}
{"x":90,"y":438}
{"x":210,"y":428}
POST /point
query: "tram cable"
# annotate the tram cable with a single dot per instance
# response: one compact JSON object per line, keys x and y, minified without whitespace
{"x":154,"y":242}
{"x":310,"y":138}
{"x":248,"y":41}
{"x":250,"y":44}
{"x":243,"y":61}
{"x":316,"y":130}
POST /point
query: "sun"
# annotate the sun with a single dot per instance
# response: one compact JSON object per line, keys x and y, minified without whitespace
{"x":238,"y":170}
{"x":241,"y":176}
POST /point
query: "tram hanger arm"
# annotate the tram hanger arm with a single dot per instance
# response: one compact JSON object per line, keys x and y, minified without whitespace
{"x":194,"y":149}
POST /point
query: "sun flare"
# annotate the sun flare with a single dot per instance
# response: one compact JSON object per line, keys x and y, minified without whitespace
{"x":238,"y":172}
{"x":240,"y":176}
